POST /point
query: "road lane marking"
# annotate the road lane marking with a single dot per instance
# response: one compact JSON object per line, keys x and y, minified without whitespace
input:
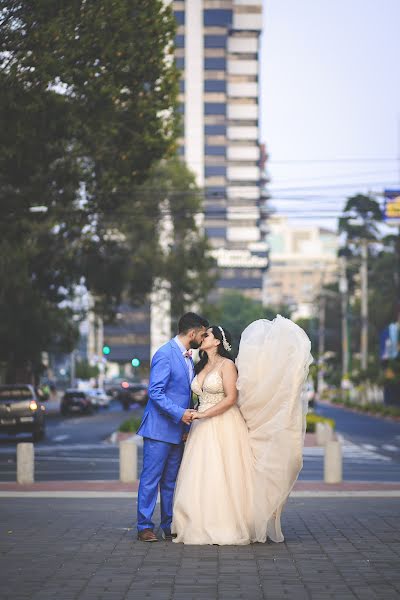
{"x":60,"y":438}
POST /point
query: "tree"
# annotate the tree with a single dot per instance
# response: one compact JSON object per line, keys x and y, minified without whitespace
{"x":87,"y":107}
{"x":235,"y":312}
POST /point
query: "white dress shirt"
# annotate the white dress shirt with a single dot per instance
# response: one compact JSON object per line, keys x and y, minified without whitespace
{"x":188,"y":361}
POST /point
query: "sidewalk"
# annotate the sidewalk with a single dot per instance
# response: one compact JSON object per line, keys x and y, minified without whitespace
{"x":108,"y":488}
{"x":86,"y":549}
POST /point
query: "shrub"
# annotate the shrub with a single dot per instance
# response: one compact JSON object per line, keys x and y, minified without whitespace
{"x":130,"y":425}
{"x":313,"y":419}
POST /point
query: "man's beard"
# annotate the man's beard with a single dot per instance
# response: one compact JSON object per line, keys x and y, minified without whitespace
{"x":194,"y":345}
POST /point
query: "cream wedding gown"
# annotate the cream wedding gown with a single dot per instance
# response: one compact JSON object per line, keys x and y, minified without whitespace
{"x":239,"y":467}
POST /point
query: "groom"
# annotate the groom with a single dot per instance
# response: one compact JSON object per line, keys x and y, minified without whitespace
{"x":164,"y":423}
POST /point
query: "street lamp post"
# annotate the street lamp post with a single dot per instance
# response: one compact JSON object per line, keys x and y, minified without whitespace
{"x":364,"y":304}
{"x":343,"y":289}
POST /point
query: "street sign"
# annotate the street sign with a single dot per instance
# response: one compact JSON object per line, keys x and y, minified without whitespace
{"x":391,"y":210}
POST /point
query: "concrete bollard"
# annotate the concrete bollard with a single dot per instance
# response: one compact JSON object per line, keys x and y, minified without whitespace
{"x":324,"y":433}
{"x":128,"y":461}
{"x":25,"y":463}
{"x":333,"y":462}
{"x":320,"y":434}
{"x":328,"y":433}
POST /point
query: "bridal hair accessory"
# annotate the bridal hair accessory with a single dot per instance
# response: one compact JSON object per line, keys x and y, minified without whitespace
{"x":225,"y":343}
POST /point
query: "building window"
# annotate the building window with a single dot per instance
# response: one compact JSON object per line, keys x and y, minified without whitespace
{"x":215,"y":64}
{"x":180,"y":17}
{"x":215,"y":129}
{"x":216,"y":232}
{"x":181,"y":108}
{"x":180,"y":62}
{"x":215,"y":150}
{"x":214,"y":41}
{"x":182,"y":86}
{"x":215,"y":108}
{"x":215,"y":85}
{"x":215,"y":192}
{"x":214,"y":171}
{"x":181,"y":150}
{"x":179,"y":41}
{"x":217,"y":18}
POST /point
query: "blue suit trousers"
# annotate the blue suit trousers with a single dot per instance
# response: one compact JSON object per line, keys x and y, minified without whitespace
{"x":161,"y":461}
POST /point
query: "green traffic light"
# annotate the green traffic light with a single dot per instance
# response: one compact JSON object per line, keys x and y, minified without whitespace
{"x":135,"y":362}
{"x":106,"y":350}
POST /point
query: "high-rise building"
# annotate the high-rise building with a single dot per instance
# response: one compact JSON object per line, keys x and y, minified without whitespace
{"x":217,"y":49}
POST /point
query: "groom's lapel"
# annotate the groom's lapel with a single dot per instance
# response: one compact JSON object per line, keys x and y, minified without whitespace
{"x":181,"y":358}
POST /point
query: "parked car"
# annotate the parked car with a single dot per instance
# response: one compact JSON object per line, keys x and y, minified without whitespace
{"x":113,"y":386}
{"x":99,"y":397}
{"x":75,"y":401}
{"x":131,"y":392}
{"x":21,"y":411}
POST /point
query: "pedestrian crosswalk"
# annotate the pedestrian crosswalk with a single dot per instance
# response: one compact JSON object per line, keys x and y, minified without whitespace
{"x":353,"y":452}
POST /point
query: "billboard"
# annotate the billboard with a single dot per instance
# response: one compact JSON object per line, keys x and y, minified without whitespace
{"x":391,"y":210}
{"x":389,"y":342}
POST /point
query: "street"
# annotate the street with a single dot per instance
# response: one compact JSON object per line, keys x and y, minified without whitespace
{"x":76,"y":448}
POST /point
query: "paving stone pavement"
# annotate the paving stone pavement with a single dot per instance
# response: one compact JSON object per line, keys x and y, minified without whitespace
{"x":86,"y":549}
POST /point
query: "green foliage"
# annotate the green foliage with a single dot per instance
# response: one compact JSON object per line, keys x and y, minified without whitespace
{"x":361,"y":220}
{"x":371,"y":408}
{"x":234,"y":311}
{"x":83,"y":370}
{"x":87,"y":107}
{"x":131,"y":425}
{"x":312,"y":419}
{"x":186,"y":265}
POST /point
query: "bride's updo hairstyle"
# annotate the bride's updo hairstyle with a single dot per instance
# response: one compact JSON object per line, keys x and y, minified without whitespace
{"x":226,"y":340}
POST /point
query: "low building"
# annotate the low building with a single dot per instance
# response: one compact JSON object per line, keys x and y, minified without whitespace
{"x":303,"y":258}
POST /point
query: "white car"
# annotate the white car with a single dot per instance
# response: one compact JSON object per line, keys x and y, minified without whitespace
{"x":98,"y":397}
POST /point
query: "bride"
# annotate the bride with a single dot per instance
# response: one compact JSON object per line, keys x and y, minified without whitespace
{"x":244,"y":451}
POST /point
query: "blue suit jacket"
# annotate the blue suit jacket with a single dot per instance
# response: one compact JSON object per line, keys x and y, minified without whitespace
{"x":169,"y":396}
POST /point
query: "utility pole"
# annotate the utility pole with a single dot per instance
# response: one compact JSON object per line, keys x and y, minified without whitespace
{"x":321,"y":341}
{"x":364,"y":304}
{"x":343,"y":288}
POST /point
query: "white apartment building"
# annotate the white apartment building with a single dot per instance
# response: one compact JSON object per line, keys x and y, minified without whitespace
{"x":217,"y":48}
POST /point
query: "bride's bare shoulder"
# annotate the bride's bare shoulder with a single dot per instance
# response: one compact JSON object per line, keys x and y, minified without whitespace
{"x":228,"y":366}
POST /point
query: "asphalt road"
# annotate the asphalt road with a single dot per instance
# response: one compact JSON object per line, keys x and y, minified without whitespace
{"x":75,"y":448}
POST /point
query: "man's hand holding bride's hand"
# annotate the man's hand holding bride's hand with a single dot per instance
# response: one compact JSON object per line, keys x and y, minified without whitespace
{"x":188,"y":416}
{"x":196,"y":415}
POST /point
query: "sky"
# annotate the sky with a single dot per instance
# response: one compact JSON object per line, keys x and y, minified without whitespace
{"x":330,"y":103}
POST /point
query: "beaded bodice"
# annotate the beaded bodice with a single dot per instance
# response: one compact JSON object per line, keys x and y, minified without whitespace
{"x":212,"y":391}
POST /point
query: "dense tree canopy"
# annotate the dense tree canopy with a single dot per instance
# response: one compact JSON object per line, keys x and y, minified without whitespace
{"x":88,"y":95}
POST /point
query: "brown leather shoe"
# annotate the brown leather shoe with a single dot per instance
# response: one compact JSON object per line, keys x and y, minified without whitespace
{"x":147,"y":535}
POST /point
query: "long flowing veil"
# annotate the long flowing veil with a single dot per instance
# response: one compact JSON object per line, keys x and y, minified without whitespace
{"x":273,"y":362}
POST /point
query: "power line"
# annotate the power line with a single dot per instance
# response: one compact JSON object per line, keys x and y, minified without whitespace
{"x":331,"y":160}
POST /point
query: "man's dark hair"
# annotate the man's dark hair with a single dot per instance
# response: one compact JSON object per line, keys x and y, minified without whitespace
{"x":191,"y":321}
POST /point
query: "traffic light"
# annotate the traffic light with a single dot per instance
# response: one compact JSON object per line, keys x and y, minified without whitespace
{"x":135,"y":362}
{"x":106,"y":350}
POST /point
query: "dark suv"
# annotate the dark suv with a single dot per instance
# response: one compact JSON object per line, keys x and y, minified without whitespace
{"x":76,"y":401}
{"x":21,"y":411}
{"x":130,"y":393}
